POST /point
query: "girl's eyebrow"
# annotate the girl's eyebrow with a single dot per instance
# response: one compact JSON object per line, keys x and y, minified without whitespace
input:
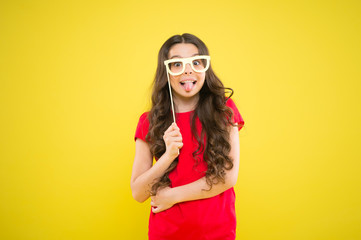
{"x":181,"y":57}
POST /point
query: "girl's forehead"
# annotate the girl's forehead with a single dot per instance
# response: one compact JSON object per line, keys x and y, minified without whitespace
{"x":182,"y":50}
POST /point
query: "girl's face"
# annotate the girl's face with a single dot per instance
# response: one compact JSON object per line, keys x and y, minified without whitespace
{"x":188,"y":84}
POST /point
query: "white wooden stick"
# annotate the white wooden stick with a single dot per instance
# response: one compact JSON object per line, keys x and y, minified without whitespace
{"x":171,"y":100}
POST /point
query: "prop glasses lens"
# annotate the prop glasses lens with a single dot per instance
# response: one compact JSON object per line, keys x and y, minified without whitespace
{"x":177,"y":66}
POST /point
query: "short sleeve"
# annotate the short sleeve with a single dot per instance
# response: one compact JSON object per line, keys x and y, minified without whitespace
{"x":142,"y":127}
{"x":237,"y":118}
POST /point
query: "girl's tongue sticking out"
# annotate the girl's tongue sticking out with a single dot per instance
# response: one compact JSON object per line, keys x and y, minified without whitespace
{"x":188,"y":85}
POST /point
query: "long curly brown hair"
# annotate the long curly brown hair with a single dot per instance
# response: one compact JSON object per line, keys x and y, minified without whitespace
{"x":214,"y":115}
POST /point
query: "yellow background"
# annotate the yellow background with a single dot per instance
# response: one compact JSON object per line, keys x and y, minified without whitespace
{"x":76,"y":76}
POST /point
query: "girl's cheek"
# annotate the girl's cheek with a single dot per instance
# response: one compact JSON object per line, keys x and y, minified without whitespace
{"x":174,"y":79}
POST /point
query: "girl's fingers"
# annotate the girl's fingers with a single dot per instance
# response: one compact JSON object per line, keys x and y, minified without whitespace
{"x":175,"y":139}
{"x":168,"y":130}
{"x":169,"y":137}
{"x":174,"y":133}
{"x":172,"y":127}
{"x":173,"y":130}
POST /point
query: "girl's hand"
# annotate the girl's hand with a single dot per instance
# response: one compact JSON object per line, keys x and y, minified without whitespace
{"x":164,"y":199}
{"x":173,"y":141}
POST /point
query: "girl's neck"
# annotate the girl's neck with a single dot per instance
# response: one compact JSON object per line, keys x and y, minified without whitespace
{"x":185,"y":104}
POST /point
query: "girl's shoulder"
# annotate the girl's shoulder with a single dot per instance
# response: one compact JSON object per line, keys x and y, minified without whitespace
{"x":142,"y":126}
{"x":143,"y":119}
{"x":230,"y":103}
{"x":237,"y":117}
{"x":144,"y":116}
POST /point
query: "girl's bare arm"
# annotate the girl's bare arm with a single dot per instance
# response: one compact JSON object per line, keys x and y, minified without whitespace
{"x":143,"y":173}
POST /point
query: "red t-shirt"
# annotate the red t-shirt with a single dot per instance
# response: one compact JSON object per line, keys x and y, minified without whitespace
{"x":203,"y":219}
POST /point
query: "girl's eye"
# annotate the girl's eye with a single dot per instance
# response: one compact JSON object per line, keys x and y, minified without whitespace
{"x":196,"y":62}
{"x":177,"y":64}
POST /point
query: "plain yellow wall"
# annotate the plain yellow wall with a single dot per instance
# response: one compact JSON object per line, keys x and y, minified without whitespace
{"x":76,"y":75}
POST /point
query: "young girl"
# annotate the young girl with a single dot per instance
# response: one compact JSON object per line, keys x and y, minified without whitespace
{"x":192,"y":132}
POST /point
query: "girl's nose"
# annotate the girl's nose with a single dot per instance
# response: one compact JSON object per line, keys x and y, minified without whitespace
{"x":188,"y":69}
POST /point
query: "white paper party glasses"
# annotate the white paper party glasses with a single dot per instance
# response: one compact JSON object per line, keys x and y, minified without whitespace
{"x":177,"y":66}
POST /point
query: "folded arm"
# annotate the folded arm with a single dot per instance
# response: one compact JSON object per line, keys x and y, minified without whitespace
{"x":167,"y":197}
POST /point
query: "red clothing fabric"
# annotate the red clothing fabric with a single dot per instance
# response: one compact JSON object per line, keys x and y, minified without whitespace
{"x":203,"y":219}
